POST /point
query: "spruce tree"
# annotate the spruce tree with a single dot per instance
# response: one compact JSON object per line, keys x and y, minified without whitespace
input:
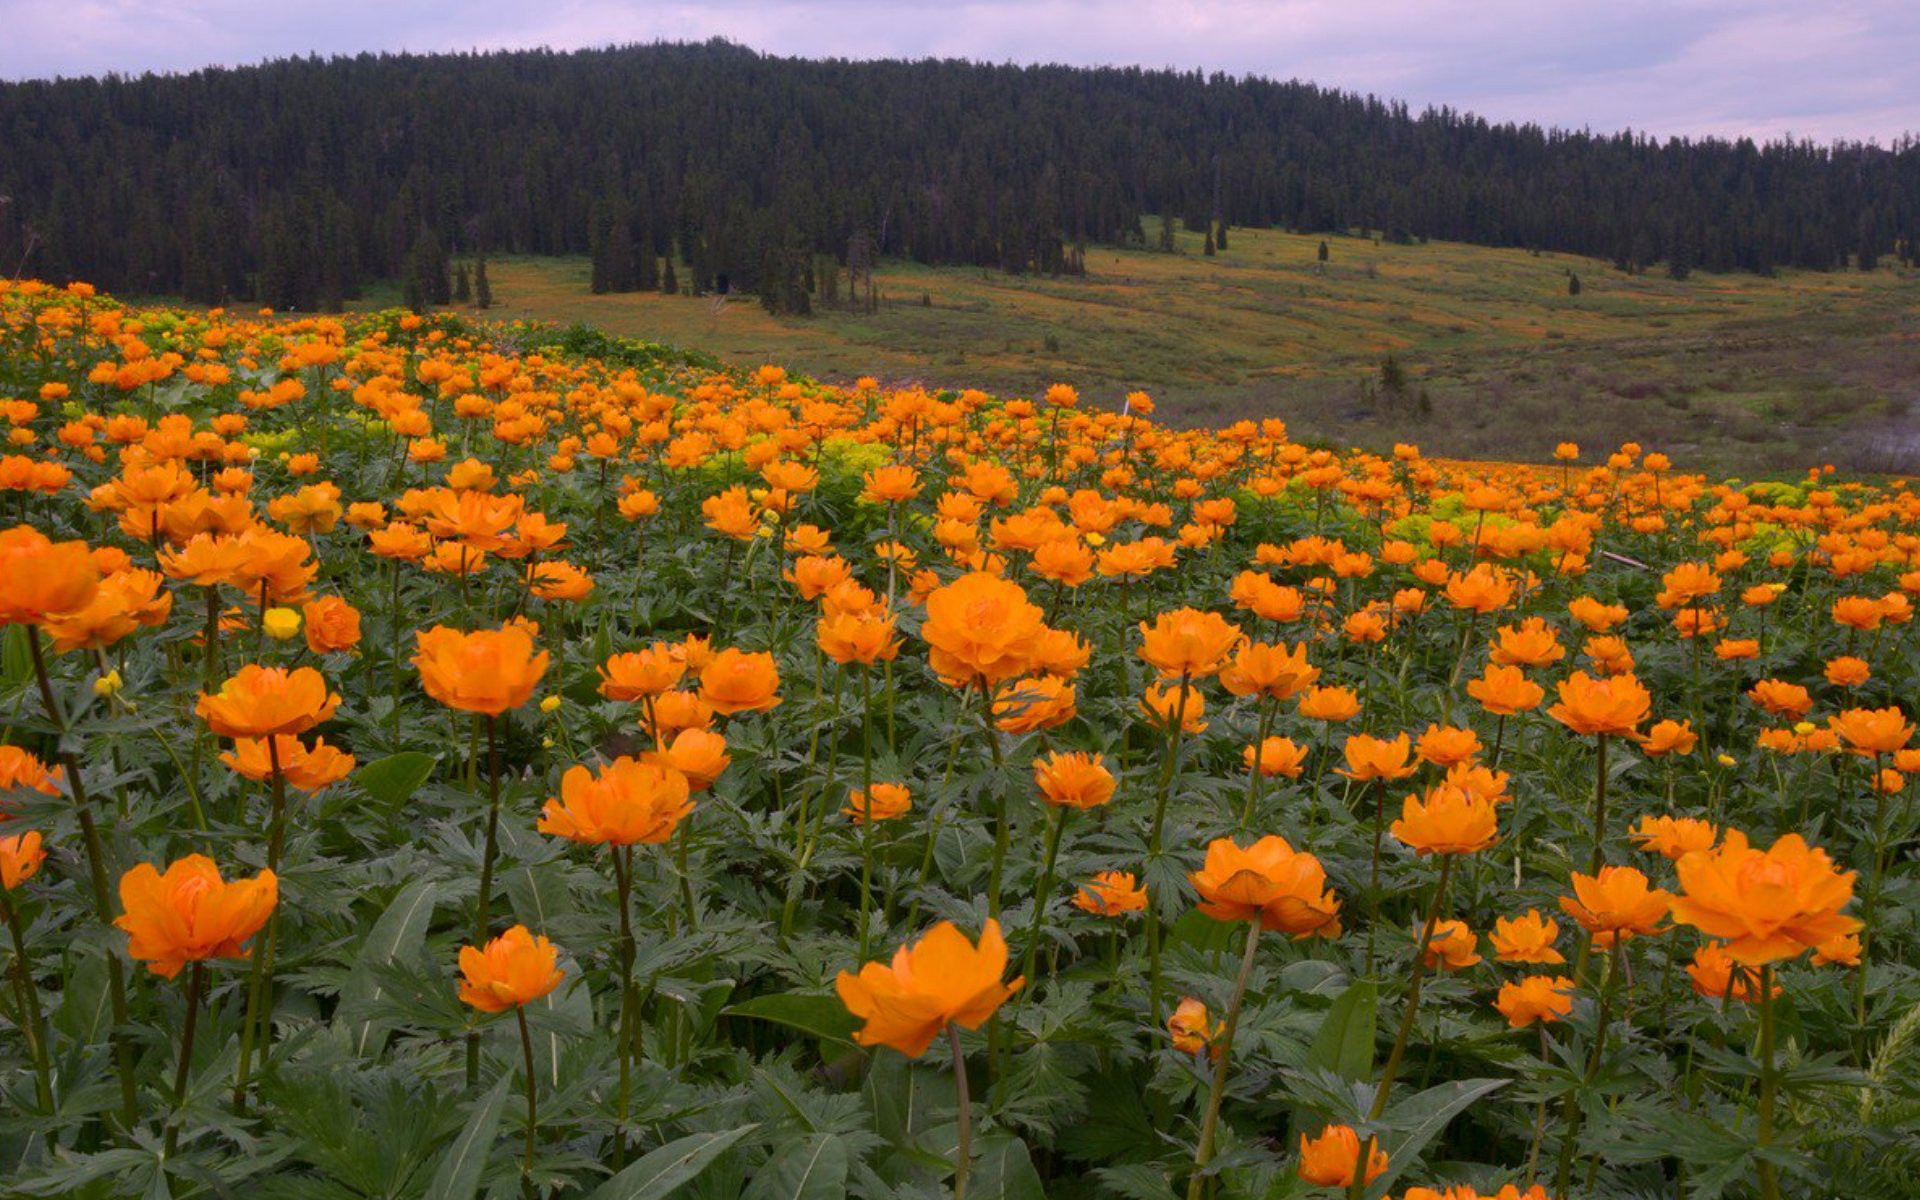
{"x":669,"y":284}
{"x":1323,"y":250}
{"x":462,"y":286}
{"x":482,"y":290}
{"x":1573,"y":284}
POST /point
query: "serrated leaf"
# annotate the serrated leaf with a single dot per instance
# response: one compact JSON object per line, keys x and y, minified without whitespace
{"x":401,"y":929}
{"x":1344,"y":1043}
{"x":1003,"y":1170}
{"x":457,"y":1177}
{"x":673,"y":1164}
{"x":1419,"y":1118}
{"x":813,"y":1168}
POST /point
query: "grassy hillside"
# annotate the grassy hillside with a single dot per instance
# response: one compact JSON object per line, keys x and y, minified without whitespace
{"x":1736,"y":371}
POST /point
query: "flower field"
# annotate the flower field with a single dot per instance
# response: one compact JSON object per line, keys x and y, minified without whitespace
{"x":444,"y":760}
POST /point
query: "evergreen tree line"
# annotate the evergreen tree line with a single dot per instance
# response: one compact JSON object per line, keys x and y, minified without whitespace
{"x":297,"y":182}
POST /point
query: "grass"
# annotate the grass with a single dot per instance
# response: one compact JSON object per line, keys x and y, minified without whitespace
{"x":1736,"y":372}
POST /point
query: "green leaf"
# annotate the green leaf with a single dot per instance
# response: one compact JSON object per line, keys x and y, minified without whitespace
{"x":670,"y":1166}
{"x":396,"y":777}
{"x":458,"y":1175}
{"x":84,"y":1014}
{"x":1003,"y":1170}
{"x":1419,"y":1118}
{"x":813,"y":1168}
{"x":905,"y":1100}
{"x":822,"y":1016}
{"x":1344,"y":1044}
{"x":402,"y":927}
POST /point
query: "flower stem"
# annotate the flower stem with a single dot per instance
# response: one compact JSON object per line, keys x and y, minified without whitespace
{"x":259,"y":1015}
{"x":963,"y":1150}
{"x":484,"y":906}
{"x":1168,"y":768}
{"x":32,"y":1023}
{"x":623,"y":880}
{"x":1571,"y":1108}
{"x":1599,"y":805}
{"x":1769,"y":1176}
{"x":196,"y":985}
{"x":1217,"y":1093}
{"x":1055,"y":830}
{"x":533,"y":1103}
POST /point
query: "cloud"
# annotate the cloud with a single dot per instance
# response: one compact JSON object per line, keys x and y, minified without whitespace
{"x":1760,"y":68}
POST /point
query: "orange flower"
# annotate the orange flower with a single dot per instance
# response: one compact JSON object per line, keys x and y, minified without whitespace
{"x":1452,"y":946}
{"x":1595,"y":617}
{"x":20,"y":769}
{"x":1862,"y":613}
{"x":940,"y":979}
{"x":1535,"y":998}
{"x":488,"y":671}
{"x":628,"y":802}
{"x":1616,"y":902}
{"x":1276,"y":672}
{"x":1111,"y":894}
{"x":1329,"y":1160}
{"x":190,"y":914}
{"x":1079,"y":781}
{"x":1873,"y":730}
{"x":1447,"y":747}
{"x":1847,"y":671}
{"x":1193,"y":1033}
{"x":265,"y":701}
{"x":1275,"y":756}
{"x":1027,"y":705}
{"x":861,"y":638}
{"x":1331,"y":704}
{"x":1447,"y":820}
{"x":1781,"y":699}
{"x":1612,"y":706}
{"x":306,"y":770}
{"x":1188,"y":643}
{"x":889,"y":800}
{"x":21,"y":856}
{"x":1506,"y":691}
{"x":1717,"y":977}
{"x":1674,"y":837}
{"x":981,"y":629}
{"x":1484,"y":589}
{"x":40,"y":578}
{"x":1371,"y":758}
{"x":1532,"y":643}
{"x":1526,"y":939}
{"x":513,"y":969}
{"x":638,"y":674}
{"x":1843,"y":950}
{"x":1767,"y":905}
{"x":1164,"y":706}
{"x":674,"y":711}
{"x":699,"y":754}
{"x":1285,"y":889}
{"x":331,"y":624}
{"x":735,"y":681}
{"x":1669,"y":737}
{"x":890,"y":485}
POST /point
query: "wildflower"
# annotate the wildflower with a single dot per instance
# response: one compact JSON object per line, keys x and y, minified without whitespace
{"x":304,"y":769}
{"x":280,"y":624}
{"x":1611,"y":706}
{"x":1780,"y":699}
{"x":625,"y":803}
{"x":1329,"y":1160}
{"x":20,"y":858}
{"x":1331,"y":704}
{"x":1285,"y":889}
{"x":1451,"y":946}
{"x":1506,"y":691}
{"x":40,"y":578}
{"x":488,"y":671}
{"x":265,"y":701}
{"x":638,"y":674}
{"x":1447,"y":746}
{"x":1166,"y":706}
{"x":1616,"y":902}
{"x":1370,"y":758}
{"x":940,"y":979}
{"x":1193,"y":1033}
{"x":1079,"y":781}
{"x":1674,"y":837}
{"x":1111,"y":894}
{"x":1526,"y":939}
{"x":510,"y":971}
{"x":1275,"y":672}
{"x":887,"y":801}
{"x":1873,"y":730}
{"x":1669,"y":737}
{"x":981,"y":629}
{"x":864,"y":639}
{"x":1187,"y":643}
{"x":1767,"y":905}
{"x":1717,"y":977}
{"x":736,"y":681}
{"x":1275,"y":756}
{"x":1535,"y":998}
{"x":1447,"y":820}
{"x":190,"y":914}
{"x":332,"y":625}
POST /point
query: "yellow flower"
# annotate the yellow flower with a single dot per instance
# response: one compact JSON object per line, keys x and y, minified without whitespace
{"x":550,"y":704}
{"x":281,"y":623}
{"x":108,"y":684}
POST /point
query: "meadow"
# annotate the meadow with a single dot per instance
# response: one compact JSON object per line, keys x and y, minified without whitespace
{"x":446,"y":759}
{"x":1737,"y":373}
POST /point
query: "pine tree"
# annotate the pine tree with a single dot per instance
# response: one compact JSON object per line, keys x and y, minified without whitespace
{"x":1210,"y":250}
{"x":462,"y":286}
{"x":1573,"y":284}
{"x":1220,"y":239}
{"x":482,"y":290}
{"x":669,"y":284}
{"x":1323,"y":251}
{"x":1166,"y":233}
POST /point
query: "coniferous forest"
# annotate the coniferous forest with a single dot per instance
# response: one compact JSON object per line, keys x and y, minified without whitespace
{"x":297,"y":182}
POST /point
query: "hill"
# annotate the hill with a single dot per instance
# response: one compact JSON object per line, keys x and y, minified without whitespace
{"x":298,"y":183}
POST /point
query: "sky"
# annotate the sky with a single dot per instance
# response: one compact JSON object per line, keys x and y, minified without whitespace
{"x":1819,"y":69}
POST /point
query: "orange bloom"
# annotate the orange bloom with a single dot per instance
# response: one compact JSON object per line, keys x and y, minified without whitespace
{"x":857,"y":638}
{"x":1506,"y":691}
{"x":1371,"y":758}
{"x":1718,"y":977}
{"x":306,"y":770}
{"x":1532,"y":643}
{"x":889,"y":800}
{"x":513,"y":969}
{"x":1674,"y":837}
{"x":189,"y":914}
{"x":1484,"y":589}
{"x":331,"y":624}
{"x":1447,"y":820}
{"x":1193,"y":1033}
{"x":1285,"y":889}
{"x":1595,"y":617}
{"x":1873,"y":730}
{"x":1111,"y":894}
{"x":1188,"y":643}
{"x":1767,"y":905}
{"x":1669,"y":737}
{"x":981,"y":629}
{"x":1847,"y":671}
{"x":20,"y":769}
{"x":40,"y":578}
{"x":1027,"y":705}
{"x":1781,"y":699}
{"x":1079,"y":781}
{"x":1166,"y":706}
{"x":1276,"y":672}
{"x":1452,"y":947}
{"x":1447,"y":747}
{"x":1614,"y":706}
{"x":488,"y":671}
{"x":940,"y":979}
{"x":699,"y":754}
{"x":735,"y":681}
{"x":1329,"y":1160}
{"x":1526,"y":939}
{"x":628,"y":802}
{"x":125,"y":601}
{"x":1534,"y":998}
{"x":638,"y":674}
{"x":1275,"y":756}
{"x":264,"y":701}
{"x":1616,"y":902}
{"x":21,"y":856}
{"x":1333,"y":704}
{"x":1843,"y":950}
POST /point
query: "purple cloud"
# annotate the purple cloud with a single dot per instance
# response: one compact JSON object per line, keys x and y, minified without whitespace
{"x":1762,"y":68}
